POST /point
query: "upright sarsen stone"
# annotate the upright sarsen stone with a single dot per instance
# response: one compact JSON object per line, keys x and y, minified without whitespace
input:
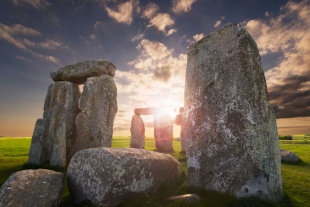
{"x":137,"y":130}
{"x":163,"y":132}
{"x":98,"y":107}
{"x":60,"y":111}
{"x":228,"y":125}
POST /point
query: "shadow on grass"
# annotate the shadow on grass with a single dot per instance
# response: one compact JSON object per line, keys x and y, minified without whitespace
{"x":299,"y":163}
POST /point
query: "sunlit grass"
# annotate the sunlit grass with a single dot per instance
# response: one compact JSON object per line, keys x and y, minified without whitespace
{"x":296,"y":178}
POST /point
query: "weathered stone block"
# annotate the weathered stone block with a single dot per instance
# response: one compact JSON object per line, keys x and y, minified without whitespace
{"x":163,"y":132}
{"x":30,"y":188}
{"x":108,"y":177}
{"x":137,"y":131}
{"x":79,"y":72}
{"x":228,"y":125}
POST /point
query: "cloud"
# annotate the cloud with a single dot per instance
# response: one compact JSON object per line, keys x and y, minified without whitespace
{"x":34,"y":3}
{"x":98,"y":25}
{"x":218,"y":22}
{"x":171,"y":31}
{"x":52,"y":44}
{"x":23,"y":58}
{"x":92,"y":36}
{"x":123,"y":13}
{"x":137,"y":37}
{"x":150,"y":10}
{"x":162,"y":74}
{"x":287,"y":33}
{"x":180,"y":6}
{"x":161,"y":21}
{"x":198,"y":37}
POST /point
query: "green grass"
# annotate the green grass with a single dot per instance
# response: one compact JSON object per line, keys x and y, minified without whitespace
{"x":296,"y":177}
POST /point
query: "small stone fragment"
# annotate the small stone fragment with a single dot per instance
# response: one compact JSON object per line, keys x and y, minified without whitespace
{"x":79,"y":72}
{"x":288,"y":156}
{"x":163,"y":132}
{"x":30,"y":188}
{"x":36,"y":152}
{"x":137,"y":130}
{"x":109,"y":176}
{"x":187,"y":198}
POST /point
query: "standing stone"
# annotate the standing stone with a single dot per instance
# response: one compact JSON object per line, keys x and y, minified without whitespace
{"x":36,"y":153}
{"x":108,"y":176}
{"x":60,"y":111}
{"x":228,"y":123}
{"x":30,"y":188}
{"x":137,"y":131}
{"x":79,"y":72}
{"x":163,"y":132}
{"x":99,"y":106}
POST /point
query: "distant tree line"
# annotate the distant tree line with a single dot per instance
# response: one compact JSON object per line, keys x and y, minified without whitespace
{"x":285,"y":137}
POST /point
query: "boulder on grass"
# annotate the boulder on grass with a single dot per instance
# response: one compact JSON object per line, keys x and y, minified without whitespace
{"x":107,"y":177}
{"x":287,"y":156}
{"x":33,"y":188}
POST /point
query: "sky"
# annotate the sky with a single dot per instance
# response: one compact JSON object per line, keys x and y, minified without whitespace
{"x":148,"y":43}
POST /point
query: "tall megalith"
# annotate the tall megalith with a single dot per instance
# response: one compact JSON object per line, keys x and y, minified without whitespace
{"x":163,"y":132}
{"x":228,"y":124}
{"x":137,"y":130}
{"x":98,"y":107}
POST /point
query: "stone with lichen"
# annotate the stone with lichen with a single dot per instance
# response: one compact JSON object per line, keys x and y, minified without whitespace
{"x":228,"y":127}
{"x":98,"y":107}
{"x":79,"y":72}
{"x":108,"y":177}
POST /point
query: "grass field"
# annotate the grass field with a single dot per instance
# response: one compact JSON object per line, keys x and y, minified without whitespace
{"x":296,"y":178}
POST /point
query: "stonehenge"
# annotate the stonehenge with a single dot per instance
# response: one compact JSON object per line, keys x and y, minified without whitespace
{"x":73,"y":121}
{"x":228,"y":124}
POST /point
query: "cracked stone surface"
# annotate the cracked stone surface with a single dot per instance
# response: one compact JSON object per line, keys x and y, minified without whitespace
{"x":228,"y":126}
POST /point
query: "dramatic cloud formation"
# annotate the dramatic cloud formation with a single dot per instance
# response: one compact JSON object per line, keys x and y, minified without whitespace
{"x":288,"y":82}
{"x":180,"y":6}
{"x":124,"y":12}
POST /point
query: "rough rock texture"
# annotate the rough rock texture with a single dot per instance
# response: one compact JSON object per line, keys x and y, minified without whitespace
{"x":107,"y":177}
{"x":36,"y":152}
{"x":287,"y":156}
{"x":163,"y":132}
{"x":187,"y":198}
{"x":32,"y":188}
{"x":99,"y":106}
{"x":137,"y":131}
{"x":79,"y":72}
{"x":60,"y":111}
{"x":228,"y":126}
{"x":146,"y":111}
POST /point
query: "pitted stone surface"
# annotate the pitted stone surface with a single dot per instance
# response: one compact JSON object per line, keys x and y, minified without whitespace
{"x":163,"y":132}
{"x":99,"y":106}
{"x":60,"y":111}
{"x":32,"y":188}
{"x":79,"y":72}
{"x":107,"y":177}
{"x":36,"y":152}
{"x":288,"y":156}
{"x":137,"y":129}
{"x":228,"y":125}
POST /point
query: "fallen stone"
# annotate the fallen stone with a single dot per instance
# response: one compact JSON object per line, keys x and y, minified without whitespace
{"x":79,"y":72}
{"x":36,"y":152}
{"x":137,"y":131}
{"x":146,"y":111}
{"x":60,"y":111}
{"x":110,"y":176}
{"x":287,"y":156}
{"x":163,"y":132}
{"x":99,"y":106}
{"x":187,"y":198}
{"x":228,"y":125}
{"x":30,"y":188}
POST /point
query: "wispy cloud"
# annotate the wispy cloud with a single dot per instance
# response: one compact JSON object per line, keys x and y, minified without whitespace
{"x":150,"y":10}
{"x":137,"y":37}
{"x":218,"y":22}
{"x":287,"y":33}
{"x":123,"y":13}
{"x":161,"y":21}
{"x":180,"y":6}
{"x":99,"y":25}
{"x":34,"y":3}
{"x":198,"y":37}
